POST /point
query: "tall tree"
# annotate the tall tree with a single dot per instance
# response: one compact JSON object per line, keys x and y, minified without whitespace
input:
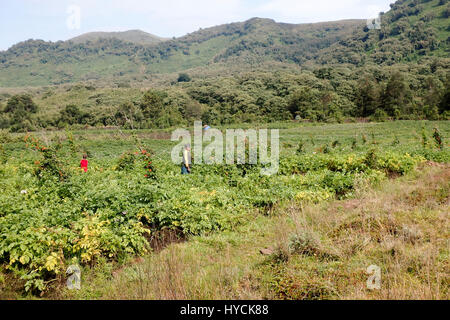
{"x":396,"y":95}
{"x":303,"y":103}
{"x":21,"y":103}
{"x":444,"y":105}
{"x":20,"y":108}
{"x":71,"y":114}
{"x":152,"y":103}
{"x":367,"y":96}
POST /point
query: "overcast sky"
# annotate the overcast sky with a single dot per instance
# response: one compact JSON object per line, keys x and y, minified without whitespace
{"x":58,"y":19}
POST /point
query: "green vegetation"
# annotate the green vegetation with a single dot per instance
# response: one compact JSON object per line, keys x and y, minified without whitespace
{"x":410,"y":30}
{"x":256,"y":97}
{"x":413,"y":32}
{"x":54,"y":214}
{"x":257,"y":41}
{"x":346,"y":99}
{"x":254,"y":71}
{"x":184,"y":77}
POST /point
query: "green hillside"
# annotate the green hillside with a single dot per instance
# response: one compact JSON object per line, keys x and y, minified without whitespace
{"x":135,"y":36}
{"x":410,"y":31}
{"x":246,"y":44}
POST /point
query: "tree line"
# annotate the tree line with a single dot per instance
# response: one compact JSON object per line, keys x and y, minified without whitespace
{"x":324,"y":95}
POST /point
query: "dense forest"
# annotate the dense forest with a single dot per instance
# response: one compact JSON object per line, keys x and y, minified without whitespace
{"x":326,"y":95}
{"x":257,"y":70}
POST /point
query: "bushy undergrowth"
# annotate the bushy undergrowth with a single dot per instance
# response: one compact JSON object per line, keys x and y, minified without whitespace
{"x":47,"y":222}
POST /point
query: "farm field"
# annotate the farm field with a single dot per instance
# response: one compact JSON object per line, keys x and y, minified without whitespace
{"x":346,"y":196}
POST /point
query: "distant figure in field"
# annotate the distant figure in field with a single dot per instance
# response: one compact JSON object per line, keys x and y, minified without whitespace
{"x":186,"y":164}
{"x":84,"y":163}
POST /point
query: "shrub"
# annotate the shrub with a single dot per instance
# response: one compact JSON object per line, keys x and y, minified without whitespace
{"x":300,"y":148}
{"x":380,"y":115}
{"x":438,"y":138}
{"x":126,"y":161}
{"x":184,"y":77}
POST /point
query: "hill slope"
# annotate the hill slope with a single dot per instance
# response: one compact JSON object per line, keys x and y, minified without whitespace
{"x":411,"y":30}
{"x":244,"y":44}
{"x":135,"y":36}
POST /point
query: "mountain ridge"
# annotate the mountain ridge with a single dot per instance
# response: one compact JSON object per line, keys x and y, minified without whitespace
{"x":412,"y":30}
{"x":255,"y":41}
{"x":134,"y":35}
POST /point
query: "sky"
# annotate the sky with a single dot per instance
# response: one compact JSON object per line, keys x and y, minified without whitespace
{"x":54,"y":20}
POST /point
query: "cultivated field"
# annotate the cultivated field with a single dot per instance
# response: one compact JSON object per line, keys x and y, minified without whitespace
{"x":346,"y":196}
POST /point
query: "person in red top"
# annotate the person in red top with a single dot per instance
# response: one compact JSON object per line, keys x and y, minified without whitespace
{"x":84,"y":163}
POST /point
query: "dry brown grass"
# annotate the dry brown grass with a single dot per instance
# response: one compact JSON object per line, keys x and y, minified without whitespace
{"x":403,"y":228}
